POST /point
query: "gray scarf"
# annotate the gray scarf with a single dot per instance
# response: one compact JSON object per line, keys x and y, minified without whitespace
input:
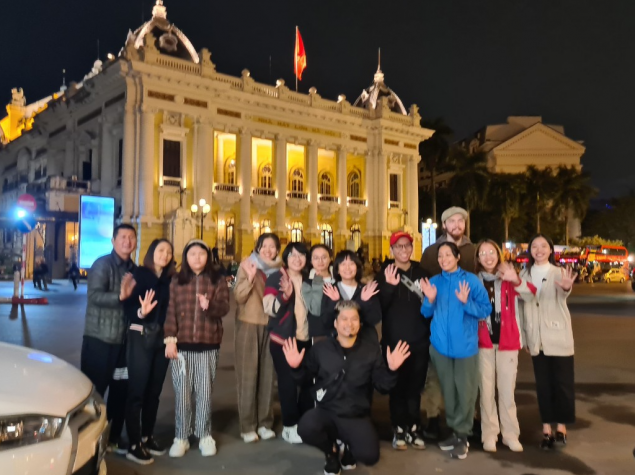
{"x":267,"y":267}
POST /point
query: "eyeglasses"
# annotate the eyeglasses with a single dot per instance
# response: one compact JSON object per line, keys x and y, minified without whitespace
{"x":402,"y":247}
{"x":491,"y":252}
{"x":320,"y":258}
{"x":297,"y":255}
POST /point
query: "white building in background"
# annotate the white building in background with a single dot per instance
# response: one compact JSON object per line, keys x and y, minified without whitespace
{"x":159,"y":128}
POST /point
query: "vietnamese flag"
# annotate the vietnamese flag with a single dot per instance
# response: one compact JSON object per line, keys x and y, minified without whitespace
{"x":300,"y":55}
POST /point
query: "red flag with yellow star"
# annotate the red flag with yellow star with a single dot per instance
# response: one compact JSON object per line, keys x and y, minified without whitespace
{"x":300,"y":55}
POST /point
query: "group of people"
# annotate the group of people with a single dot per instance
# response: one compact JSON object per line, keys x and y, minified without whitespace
{"x":452,"y":326}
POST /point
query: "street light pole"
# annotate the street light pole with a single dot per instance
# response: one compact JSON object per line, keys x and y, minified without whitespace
{"x":201,"y":210}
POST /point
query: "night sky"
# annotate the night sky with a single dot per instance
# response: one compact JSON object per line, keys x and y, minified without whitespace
{"x":473,"y":62}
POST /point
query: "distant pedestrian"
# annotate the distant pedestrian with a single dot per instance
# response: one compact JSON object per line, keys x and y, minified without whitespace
{"x":549,"y":336}
{"x":44,"y":271}
{"x":73,"y":274}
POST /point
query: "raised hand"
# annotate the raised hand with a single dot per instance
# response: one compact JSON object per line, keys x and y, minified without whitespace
{"x":170,"y":351}
{"x":331,"y":292}
{"x":290,"y":349}
{"x":369,"y":290}
{"x":203,"y":301}
{"x":147,"y":305}
{"x":392,"y":276}
{"x":507,"y":272}
{"x":127,"y":284}
{"x":567,"y":279}
{"x":286,"y":286}
{"x":463,"y":293}
{"x":428,"y":289}
{"x":250,"y":268}
{"x":396,"y":358}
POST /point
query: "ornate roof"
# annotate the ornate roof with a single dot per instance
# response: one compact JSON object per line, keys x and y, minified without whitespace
{"x":370,"y":97}
{"x":169,"y":39}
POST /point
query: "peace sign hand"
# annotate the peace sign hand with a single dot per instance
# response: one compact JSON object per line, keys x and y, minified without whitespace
{"x":290,"y":350}
{"x":331,"y":292}
{"x":428,"y":289}
{"x":369,"y":290}
{"x":392,"y":277}
{"x":396,"y":358}
{"x":464,"y":292}
{"x":286,"y":286}
{"x":146,"y":303}
{"x":567,"y":279}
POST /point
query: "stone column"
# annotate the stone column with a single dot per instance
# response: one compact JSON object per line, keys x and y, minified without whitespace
{"x":69,"y":157}
{"x":246,"y":243}
{"x":95,"y":159}
{"x":342,"y":192}
{"x":108,"y":162}
{"x":147,"y":180}
{"x":312,"y":176}
{"x":382,"y":194}
{"x":219,"y":162}
{"x":280,"y":147}
{"x":412,"y":187}
{"x":127,"y":174}
{"x":203,"y":161}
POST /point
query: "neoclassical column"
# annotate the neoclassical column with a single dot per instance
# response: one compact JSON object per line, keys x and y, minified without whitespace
{"x":203,"y":161}
{"x":127,"y":174}
{"x":244,"y":147}
{"x":370,"y":180}
{"x":413,"y":193}
{"x":219,"y":163}
{"x":146,"y":164}
{"x":107,"y":161}
{"x":280,"y":148}
{"x":312,"y":175}
{"x":69,"y":157}
{"x":382,"y":193}
{"x":342,"y":190}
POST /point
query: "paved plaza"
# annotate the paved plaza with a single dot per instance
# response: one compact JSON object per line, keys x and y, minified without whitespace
{"x":601,"y":442}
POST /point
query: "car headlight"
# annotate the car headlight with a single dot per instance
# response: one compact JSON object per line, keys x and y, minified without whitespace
{"x":16,"y":431}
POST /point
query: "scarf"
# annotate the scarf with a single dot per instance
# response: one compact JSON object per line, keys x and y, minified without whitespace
{"x":487,"y":277}
{"x":267,"y":267}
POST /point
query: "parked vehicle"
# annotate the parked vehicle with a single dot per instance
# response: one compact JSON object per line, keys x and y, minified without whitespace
{"x":52,"y":421}
{"x":613,"y":275}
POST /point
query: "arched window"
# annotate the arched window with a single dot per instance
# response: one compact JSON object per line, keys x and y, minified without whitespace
{"x":297,"y":181}
{"x":297,"y":233}
{"x":230,"y":171}
{"x":354,"y":185}
{"x":265,"y":226}
{"x":356,"y":236}
{"x":266,"y":174}
{"x":326,"y":237}
{"x":325,"y":184}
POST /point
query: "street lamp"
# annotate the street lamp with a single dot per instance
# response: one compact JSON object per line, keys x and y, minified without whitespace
{"x":201,"y":210}
{"x":429,"y":226}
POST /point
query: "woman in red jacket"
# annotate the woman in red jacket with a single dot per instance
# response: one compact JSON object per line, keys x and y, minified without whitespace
{"x":499,"y":339}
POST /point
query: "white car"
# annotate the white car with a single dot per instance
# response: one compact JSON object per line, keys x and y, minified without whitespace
{"x":52,"y":421}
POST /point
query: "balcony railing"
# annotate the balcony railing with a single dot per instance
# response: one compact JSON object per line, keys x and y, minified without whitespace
{"x":331,"y":198}
{"x":356,"y":201}
{"x":298,"y":195}
{"x":394,"y":205}
{"x":226,"y":187}
{"x":264,"y":192}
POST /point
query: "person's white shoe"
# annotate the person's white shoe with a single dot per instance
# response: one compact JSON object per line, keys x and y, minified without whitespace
{"x":290,"y":434}
{"x":179,"y":447}
{"x":249,"y":437}
{"x":207,"y":446}
{"x":489,"y":445}
{"x":266,"y":434}
{"x":514,"y":445}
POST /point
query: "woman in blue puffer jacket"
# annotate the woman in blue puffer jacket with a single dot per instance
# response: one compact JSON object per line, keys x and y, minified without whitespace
{"x":457,"y":300}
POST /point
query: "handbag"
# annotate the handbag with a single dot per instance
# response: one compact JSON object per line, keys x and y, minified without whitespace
{"x":152,"y":335}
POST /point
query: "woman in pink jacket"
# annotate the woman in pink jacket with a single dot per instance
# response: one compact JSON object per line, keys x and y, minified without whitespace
{"x":499,"y":339}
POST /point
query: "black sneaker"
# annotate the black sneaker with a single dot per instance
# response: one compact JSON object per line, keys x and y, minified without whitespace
{"x":561,"y":438}
{"x":415,"y":438}
{"x":399,"y":439}
{"x":139,"y":455}
{"x":119,"y":448}
{"x":460,"y":448}
{"x":347,"y":461}
{"x":151,"y":445}
{"x":332,"y":465}
{"x":547,"y":442}
{"x":432,"y":429}
{"x":449,"y":443}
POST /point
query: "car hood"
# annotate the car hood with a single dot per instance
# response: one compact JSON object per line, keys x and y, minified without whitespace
{"x":34,"y":382}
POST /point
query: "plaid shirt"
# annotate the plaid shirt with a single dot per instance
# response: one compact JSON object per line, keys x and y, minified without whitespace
{"x":187,"y":321}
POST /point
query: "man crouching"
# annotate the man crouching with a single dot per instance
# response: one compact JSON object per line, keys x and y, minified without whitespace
{"x":345,"y":368}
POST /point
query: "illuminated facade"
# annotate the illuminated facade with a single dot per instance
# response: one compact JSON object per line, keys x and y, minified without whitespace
{"x":160,"y":129}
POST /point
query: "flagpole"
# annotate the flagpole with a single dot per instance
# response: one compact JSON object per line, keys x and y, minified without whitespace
{"x":295,"y":59}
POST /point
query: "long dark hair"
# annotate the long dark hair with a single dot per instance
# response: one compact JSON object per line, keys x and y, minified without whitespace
{"x":341,"y":257}
{"x":265,"y":236}
{"x":298,"y":247}
{"x":532,"y":261}
{"x":186,"y":273}
{"x":148,"y":261}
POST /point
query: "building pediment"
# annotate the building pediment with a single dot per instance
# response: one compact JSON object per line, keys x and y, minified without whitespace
{"x":539,"y":138}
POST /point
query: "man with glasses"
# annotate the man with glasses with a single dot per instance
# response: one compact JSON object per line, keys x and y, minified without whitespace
{"x":401,"y":299}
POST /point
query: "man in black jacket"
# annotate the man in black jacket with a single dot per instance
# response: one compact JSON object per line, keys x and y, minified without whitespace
{"x":401,"y":299}
{"x":345,"y":368}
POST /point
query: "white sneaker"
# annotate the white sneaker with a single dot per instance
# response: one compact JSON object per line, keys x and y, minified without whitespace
{"x":266,"y":434}
{"x":489,"y":445}
{"x":290,"y":434}
{"x":179,"y":447}
{"x":207,"y":446}
{"x":249,"y":437}
{"x":513,"y":445}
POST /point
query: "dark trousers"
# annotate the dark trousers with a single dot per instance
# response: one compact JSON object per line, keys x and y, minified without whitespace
{"x":98,"y":363}
{"x":146,"y":373}
{"x":555,"y":388}
{"x":405,"y":396}
{"x":293,"y":402}
{"x":321,"y":428}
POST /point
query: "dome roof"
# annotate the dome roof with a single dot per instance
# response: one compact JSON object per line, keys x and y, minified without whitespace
{"x":169,"y":39}
{"x":370,"y":97}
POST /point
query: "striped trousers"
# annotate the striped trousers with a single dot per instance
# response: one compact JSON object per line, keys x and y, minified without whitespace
{"x":193,"y":375}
